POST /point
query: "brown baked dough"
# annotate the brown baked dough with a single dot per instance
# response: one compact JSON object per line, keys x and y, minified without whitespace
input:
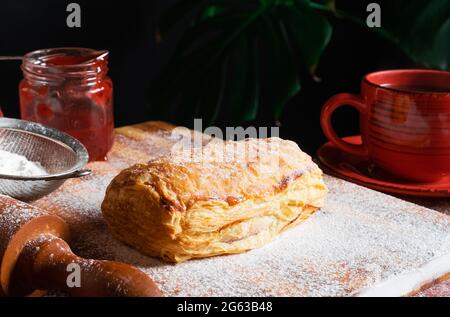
{"x":221,"y":198}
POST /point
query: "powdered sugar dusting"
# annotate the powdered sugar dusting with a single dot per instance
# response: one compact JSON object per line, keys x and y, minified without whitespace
{"x":336,"y":252}
{"x":13,"y":215}
{"x":359,"y":238}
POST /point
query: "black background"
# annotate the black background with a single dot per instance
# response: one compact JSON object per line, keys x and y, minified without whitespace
{"x":127,"y":30}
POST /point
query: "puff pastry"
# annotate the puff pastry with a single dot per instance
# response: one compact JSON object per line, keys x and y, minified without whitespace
{"x":225,"y":197}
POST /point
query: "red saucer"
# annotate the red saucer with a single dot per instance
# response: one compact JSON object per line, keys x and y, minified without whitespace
{"x":361,"y":171}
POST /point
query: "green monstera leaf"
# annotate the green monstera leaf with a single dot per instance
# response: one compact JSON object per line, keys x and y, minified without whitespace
{"x":217,"y":62}
{"x":231,"y":47}
{"x":421,"y":28}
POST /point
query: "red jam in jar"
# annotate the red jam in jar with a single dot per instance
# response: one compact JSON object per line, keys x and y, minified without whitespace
{"x":68,"y":89}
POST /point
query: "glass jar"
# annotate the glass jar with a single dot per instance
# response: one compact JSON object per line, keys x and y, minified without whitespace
{"x":68,"y":89}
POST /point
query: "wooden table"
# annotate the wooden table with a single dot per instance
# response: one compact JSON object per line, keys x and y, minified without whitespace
{"x":353,"y":218}
{"x":442,"y":205}
{"x":441,"y":289}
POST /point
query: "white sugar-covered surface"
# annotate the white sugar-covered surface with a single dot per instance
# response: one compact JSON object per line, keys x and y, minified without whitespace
{"x":357,"y":242}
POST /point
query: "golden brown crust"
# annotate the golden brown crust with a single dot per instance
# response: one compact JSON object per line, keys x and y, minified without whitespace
{"x":224,"y":197}
{"x":180,"y":181}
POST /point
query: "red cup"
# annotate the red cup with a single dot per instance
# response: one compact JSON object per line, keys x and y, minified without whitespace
{"x":404,"y":122}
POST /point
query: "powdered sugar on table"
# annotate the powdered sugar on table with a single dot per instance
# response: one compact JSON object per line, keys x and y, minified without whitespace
{"x":358,"y":240}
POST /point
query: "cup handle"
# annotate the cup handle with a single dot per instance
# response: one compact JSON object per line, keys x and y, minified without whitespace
{"x":325,"y":120}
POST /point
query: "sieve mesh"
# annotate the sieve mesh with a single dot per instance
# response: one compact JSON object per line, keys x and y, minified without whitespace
{"x":58,"y":153}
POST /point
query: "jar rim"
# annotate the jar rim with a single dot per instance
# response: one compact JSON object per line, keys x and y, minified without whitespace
{"x":55,"y":64}
{"x":38,"y":56}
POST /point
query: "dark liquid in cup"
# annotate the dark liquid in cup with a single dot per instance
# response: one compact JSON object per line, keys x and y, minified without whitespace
{"x":418,"y":88}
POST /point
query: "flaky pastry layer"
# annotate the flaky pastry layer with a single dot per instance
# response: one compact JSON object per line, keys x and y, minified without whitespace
{"x":225,"y":197}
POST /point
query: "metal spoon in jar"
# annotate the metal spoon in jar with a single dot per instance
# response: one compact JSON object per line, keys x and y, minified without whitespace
{"x":11,"y":58}
{"x":96,"y":55}
{"x":17,"y":58}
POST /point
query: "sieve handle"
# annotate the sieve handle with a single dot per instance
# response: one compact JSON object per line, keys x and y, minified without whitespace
{"x":75,"y":174}
{"x":80,"y":173}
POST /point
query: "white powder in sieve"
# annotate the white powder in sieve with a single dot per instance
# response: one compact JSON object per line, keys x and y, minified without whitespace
{"x":19,"y":165}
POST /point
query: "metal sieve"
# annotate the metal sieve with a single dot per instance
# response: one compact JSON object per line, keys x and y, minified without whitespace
{"x":61,"y":155}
